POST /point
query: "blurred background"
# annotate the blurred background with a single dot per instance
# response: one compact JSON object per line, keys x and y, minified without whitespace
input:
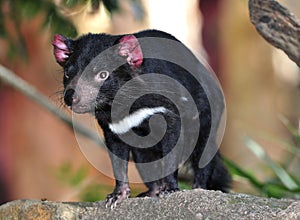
{"x":39,"y":155}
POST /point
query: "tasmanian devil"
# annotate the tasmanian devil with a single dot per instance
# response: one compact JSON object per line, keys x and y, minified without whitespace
{"x":154,"y":101}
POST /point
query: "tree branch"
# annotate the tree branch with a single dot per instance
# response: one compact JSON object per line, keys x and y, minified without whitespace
{"x":22,"y":86}
{"x":277,"y":25}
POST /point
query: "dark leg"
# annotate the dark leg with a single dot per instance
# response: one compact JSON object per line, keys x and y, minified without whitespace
{"x":201,"y":176}
{"x":149,"y":173}
{"x":212,"y":177}
{"x":154,"y":175}
{"x":169,"y":184}
{"x":220,"y":179}
{"x":170,"y":169}
{"x":119,"y":154}
{"x":158,"y":165}
{"x":172,"y":149}
{"x":154,"y":189}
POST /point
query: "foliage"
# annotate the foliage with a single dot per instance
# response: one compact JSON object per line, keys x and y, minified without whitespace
{"x":84,"y":187}
{"x":14,"y":12}
{"x":284,"y":181}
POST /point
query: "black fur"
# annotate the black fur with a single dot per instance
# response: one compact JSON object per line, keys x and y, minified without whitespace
{"x":81,"y":52}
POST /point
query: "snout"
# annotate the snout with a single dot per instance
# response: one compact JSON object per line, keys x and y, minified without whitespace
{"x":71,"y":97}
{"x":80,"y":101}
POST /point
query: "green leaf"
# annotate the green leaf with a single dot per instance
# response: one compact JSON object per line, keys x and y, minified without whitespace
{"x":70,"y":176}
{"x":275,"y":191}
{"x":79,"y":176}
{"x":64,"y":172}
{"x":294,"y":131}
{"x":234,"y":169}
{"x":184,"y":185}
{"x":58,"y":23}
{"x":30,"y":8}
{"x":283,"y":175}
{"x":94,"y":192}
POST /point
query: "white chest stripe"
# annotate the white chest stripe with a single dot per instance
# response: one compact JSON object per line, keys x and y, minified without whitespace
{"x":134,"y":119}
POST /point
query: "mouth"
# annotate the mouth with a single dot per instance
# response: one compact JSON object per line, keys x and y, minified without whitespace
{"x":80,"y":109}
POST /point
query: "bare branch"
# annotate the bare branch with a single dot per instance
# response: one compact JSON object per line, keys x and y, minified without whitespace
{"x":277,"y":25}
{"x":22,"y":86}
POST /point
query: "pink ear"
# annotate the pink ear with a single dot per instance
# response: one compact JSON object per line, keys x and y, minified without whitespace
{"x":129,"y":47}
{"x":61,"y":50}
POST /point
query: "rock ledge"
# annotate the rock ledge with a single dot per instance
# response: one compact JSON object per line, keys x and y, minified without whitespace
{"x":190,"y":204}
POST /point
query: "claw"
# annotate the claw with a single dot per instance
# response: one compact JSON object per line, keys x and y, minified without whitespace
{"x":158,"y":192}
{"x":115,"y":198}
{"x":167,"y":192}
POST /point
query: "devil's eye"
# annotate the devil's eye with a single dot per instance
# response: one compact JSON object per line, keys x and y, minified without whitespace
{"x":102,"y":75}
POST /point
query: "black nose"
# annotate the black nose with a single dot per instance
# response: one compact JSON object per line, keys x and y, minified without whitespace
{"x":71,"y":97}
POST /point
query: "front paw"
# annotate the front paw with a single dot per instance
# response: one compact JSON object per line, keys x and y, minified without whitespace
{"x":167,"y":191}
{"x":158,"y":192}
{"x":115,"y":198}
{"x":149,"y":193}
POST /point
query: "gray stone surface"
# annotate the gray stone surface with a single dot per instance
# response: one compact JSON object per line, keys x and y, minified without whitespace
{"x":191,"y":204}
